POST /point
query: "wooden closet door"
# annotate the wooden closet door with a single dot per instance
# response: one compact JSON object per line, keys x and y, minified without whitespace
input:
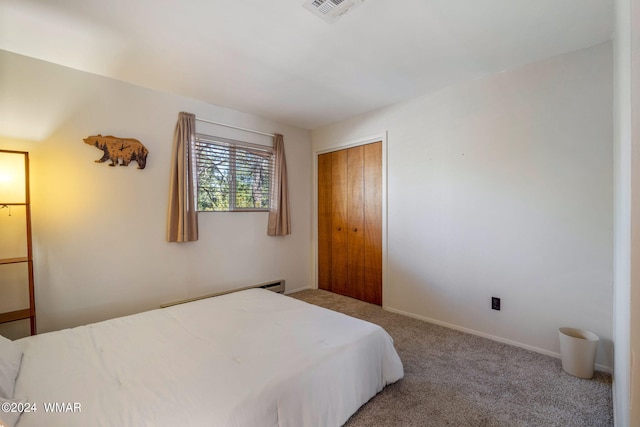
{"x":355,"y":220}
{"x":325,"y":222}
{"x":350,"y":222}
{"x":372,"y":176}
{"x":339,"y":223}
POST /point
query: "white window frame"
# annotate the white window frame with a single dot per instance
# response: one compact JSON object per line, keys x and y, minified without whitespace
{"x":237,"y":145}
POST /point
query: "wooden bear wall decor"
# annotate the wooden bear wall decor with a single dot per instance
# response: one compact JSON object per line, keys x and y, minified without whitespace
{"x":116,"y":149}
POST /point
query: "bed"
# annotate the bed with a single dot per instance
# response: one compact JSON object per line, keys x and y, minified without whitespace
{"x":250,"y":358}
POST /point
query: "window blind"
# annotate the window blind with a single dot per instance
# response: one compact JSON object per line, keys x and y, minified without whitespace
{"x":232,"y":175}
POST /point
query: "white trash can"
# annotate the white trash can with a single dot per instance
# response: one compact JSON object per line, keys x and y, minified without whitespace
{"x":578,"y":350}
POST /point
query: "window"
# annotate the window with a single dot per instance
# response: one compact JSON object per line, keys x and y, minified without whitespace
{"x":232,"y":175}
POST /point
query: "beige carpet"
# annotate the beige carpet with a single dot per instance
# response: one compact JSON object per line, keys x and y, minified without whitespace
{"x":457,"y":379}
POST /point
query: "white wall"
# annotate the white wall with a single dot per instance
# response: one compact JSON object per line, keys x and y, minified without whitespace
{"x":99,"y":232}
{"x":626,"y":378}
{"x":502,"y":187}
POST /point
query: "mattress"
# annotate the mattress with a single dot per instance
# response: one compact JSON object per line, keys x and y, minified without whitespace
{"x":250,"y":358}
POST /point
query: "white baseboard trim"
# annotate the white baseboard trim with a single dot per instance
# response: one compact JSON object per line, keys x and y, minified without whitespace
{"x":598,"y":367}
{"x":293,"y":291}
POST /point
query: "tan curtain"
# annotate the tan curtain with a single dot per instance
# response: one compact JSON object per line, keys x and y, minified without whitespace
{"x":279,"y":217}
{"x":182,"y":221}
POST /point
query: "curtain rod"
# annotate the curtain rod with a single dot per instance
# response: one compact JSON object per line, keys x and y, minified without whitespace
{"x":235,"y":127}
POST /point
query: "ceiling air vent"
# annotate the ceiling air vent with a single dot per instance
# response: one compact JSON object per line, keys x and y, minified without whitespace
{"x":331,"y":10}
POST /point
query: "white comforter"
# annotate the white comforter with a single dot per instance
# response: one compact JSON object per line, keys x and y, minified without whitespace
{"x":251,"y":358}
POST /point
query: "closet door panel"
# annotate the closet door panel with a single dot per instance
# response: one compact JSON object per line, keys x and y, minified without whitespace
{"x":339,"y":255}
{"x":373,"y":223}
{"x":324,"y":221}
{"x":355,"y":212}
{"x":350,"y":222}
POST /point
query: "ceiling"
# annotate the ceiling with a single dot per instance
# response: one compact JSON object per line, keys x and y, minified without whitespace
{"x":276,"y":59}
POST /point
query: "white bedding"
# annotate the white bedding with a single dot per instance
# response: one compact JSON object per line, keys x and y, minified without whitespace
{"x":251,"y":358}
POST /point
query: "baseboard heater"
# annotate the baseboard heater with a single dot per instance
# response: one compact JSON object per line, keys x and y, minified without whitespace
{"x":275,"y":286}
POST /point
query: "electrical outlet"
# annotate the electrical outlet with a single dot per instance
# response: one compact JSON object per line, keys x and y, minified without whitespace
{"x":495,"y":303}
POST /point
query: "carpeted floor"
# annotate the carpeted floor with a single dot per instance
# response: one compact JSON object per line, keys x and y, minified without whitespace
{"x":457,"y":379}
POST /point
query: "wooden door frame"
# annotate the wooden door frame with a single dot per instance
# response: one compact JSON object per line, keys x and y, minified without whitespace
{"x":341,"y":146}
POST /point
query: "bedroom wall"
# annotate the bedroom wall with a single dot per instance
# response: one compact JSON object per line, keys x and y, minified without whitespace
{"x":502,"y":187}
{"x":99,"y":232}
